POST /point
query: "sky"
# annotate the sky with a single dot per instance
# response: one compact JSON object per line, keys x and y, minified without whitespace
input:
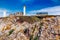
{"x":32,"y":6}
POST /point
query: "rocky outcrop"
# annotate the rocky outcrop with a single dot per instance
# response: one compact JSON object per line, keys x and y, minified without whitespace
{"x":30,"y":28}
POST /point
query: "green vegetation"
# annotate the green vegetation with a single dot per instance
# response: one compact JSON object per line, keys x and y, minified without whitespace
{"x":29,"y":19}
{"x":36,"y":38}
{"x":10,"y":32}
{"x":41,"y":24}
{"x":31,"y":37}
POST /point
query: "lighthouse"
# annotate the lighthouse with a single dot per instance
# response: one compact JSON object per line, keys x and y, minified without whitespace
{"x":24,"y":10}
{"x":4,"y":13}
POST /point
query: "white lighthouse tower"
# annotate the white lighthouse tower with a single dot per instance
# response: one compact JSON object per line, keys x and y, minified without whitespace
{"x":4,"y":13}
{"x":24,"y":10}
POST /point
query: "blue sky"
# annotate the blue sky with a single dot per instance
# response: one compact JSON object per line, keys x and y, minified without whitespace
{"x":31,"y":5}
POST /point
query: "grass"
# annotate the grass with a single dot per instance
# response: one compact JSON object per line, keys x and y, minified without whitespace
{"x":29,"y":19}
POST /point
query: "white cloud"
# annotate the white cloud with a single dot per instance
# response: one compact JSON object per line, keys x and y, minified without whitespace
{"x":51,"y":10}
